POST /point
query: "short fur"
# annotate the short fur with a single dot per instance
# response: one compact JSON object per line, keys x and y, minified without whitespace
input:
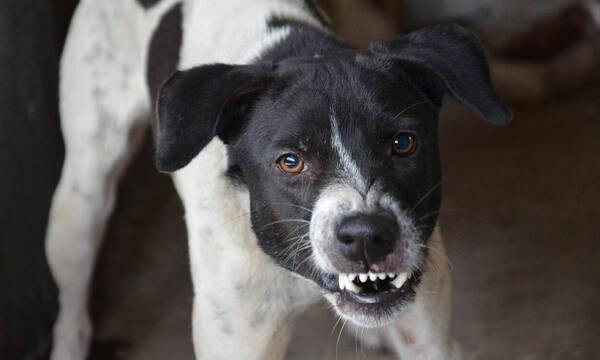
{"x":255,"y":81}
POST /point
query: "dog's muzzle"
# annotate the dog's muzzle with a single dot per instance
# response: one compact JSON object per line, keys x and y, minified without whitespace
{"x":370,"y":241}
{"x":369,"y":252}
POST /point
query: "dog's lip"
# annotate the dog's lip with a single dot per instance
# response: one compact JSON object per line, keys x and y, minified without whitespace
{"x":383,"y":298}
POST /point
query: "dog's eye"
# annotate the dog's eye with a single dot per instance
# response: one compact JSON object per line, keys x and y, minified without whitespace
{"x":404,"y":144}
{"x":290,"y":163}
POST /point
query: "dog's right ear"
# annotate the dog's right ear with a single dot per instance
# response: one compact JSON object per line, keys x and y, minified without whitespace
{"x":196,"y":105}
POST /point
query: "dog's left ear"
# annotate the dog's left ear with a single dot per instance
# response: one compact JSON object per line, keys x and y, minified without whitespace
{"x":447,"y":59}
{"x":196,"y":105}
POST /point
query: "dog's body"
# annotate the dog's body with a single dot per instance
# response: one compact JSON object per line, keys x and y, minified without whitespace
{"x":117,"y":56}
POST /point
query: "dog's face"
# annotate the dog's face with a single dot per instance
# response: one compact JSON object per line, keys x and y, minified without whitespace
{"x":338,"y":155}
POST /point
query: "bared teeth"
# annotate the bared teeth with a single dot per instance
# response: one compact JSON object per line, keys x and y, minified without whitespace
{"x":400,"y":280}
{"x":352,"y":286}
{"x":342,"y":281}
{"x":346,"y":281}
{"x":347,"y":284}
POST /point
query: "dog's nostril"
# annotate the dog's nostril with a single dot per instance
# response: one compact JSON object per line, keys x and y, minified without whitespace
{"x":367,"y":237}
{"x":346,"y":238}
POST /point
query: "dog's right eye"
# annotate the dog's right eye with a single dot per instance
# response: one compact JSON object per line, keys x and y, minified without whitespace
{"x":290,"y":163}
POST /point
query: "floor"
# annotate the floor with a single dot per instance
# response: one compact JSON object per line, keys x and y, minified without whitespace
{"x":519,"y":217}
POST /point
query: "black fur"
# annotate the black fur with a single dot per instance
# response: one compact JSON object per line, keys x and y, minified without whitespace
{"x":163,"y":52}
{"x":220,"y":94}
{"x":284,"y":103}
{"x":148,"y":3}
{"x":447,"y":59}
{"x":316,"y":11}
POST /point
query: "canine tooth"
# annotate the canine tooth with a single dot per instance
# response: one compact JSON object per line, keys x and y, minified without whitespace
{"x":372,"y":276}
{"x":362,"y":277}
{"x":391,"y":275}
{"x":381,"y":276}
{"x":342,"y":281}
{"x":351,"y":277}
{"x":351,"y":286}
{"x":400,"y":280}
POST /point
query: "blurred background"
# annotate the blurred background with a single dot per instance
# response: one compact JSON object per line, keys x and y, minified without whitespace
{"x":520,"y":211}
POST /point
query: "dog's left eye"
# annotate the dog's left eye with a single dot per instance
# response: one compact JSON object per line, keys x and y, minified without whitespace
{"x":290,"y":163}
{"x":404,"y":144}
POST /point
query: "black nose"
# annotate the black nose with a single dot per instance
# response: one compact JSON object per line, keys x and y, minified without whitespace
{"x":367,"y":237}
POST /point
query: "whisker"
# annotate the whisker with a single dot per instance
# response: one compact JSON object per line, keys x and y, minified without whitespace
{"x":412,"y":106}
{"x":294,"y":205}
{"x":300,"y":227}
{"x":335,"y":325}
{"x":439,"y":252}
{"x":286,"y":220}
{"x":337,"y":343}
{"x":427,"y":194}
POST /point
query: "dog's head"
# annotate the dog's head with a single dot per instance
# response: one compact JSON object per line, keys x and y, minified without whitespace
{"x":339,"y":155}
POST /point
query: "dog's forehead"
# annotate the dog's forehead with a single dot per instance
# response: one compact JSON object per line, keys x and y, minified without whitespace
{"x":304,"y":103}
{"x":329,"y":111}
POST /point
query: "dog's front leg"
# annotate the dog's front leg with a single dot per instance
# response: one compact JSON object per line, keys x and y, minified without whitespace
{"x":243,"y":302}
{"x":239,"y":311}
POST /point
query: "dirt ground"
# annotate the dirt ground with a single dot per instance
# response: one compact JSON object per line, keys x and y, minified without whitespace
{"x":520,"y":223}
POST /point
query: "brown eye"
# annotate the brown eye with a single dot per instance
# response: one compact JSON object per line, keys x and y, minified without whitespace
{"x":404,"y":144}
{"x":290,"y":163}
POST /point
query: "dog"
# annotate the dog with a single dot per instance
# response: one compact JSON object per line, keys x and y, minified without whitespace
{"x":307,"y":168}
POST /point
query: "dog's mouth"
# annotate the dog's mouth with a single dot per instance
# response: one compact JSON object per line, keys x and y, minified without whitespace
{"x":376,"y":291}
{"x":372,"y":299}
{"x":372,"y":293}
{"x":375,"y":288}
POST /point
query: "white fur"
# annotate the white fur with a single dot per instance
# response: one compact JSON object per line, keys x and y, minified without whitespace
{"x":243,"y":302}
{"x":103,"y":98}
{"x":347,"y":164}
{"x":423,"y":330}
{"x":341,"y":199}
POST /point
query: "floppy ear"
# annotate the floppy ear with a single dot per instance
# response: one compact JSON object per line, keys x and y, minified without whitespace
{"x":196,"y":105}
{"x":447,"y":59}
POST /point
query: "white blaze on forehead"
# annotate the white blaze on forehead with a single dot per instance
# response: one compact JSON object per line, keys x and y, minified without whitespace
{"x":347,"y":163}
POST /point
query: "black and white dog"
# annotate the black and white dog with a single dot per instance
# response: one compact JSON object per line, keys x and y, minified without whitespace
{"x":307,"y":168}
